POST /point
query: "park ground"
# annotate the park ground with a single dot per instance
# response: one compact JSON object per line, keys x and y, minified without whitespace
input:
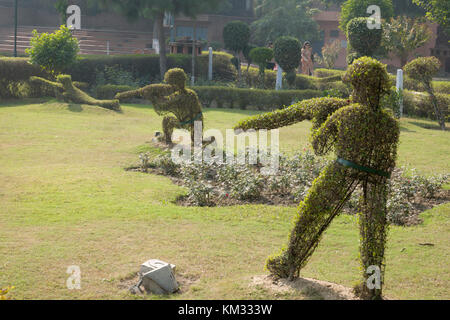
{"x":67,"y":200}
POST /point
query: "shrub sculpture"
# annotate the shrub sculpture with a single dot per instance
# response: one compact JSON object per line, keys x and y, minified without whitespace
{"x":65,"y":90}
{"x":364,"y":138}
{"x":362,"y":40}
{"x":261,"y":56}
{"x":423,"y":70}
{"x":172,"y":97}
{"x":236,"y":35}
{"x":287,"y":52}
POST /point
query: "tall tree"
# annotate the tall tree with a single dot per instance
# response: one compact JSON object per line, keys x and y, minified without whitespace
{"x":278,"y":18}
{"x":403,"y":35}
{"x":155,"y":10}
{"x":437,"y":11}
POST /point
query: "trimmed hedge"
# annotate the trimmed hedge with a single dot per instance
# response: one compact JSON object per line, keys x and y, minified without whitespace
{"x":148,"y":66}
{"x":325,"y":73}
{"x":244,"y":98}
{"x":418,"y":104}
{"x":109,"y":91}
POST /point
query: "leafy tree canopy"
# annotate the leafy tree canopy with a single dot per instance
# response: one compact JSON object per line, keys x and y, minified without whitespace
{"x":278,"y":18}
{"x":358,"y":8}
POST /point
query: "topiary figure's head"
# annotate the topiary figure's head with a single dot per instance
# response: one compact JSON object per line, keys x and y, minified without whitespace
{"x":370,"y":81}
{"x":176,"y":77}
{"x":423,"y":69}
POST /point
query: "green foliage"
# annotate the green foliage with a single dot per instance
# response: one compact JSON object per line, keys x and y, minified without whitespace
{"x":316,"y":110}
{"x":437,"y":11}
{"x":176,"y":78}
{"x":362,"y":40}
{"x":109,"y":91}
{"x":423,"y":69}
{"x":370,"y":81}
{"x":65,"y":90}
{"x":403,"y":35}
{"x":278,"y":18}
{"x":367,"y":136}
{"x":245,"y":98}
{"x":117,"y":68}
{"x":171,"y":98}
{"x":420,"y":104}
{"x":392,"y":101}
{"x":358,"y":8}
{"x":55,"y":51}
{"x":287,"y":52}
{"x":261,"y":56}
{"x":324,"y":73}
{"x":236,"y":35}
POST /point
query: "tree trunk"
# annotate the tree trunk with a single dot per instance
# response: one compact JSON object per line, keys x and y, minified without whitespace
{"x":194,"y":54}
{"x":162,"y":44}
{"x":437,"y":111}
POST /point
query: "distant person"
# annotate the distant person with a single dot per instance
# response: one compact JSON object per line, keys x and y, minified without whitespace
{"x":307,"y":59}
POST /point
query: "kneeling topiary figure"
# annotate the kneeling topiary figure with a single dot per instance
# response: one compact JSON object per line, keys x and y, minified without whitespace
{"x":65,"y":90}
{"x":172,"y":97}
{"x":364,"y":138}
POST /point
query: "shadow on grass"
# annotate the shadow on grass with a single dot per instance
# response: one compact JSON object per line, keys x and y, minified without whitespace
{"x":9,"y":103}
{"x":75,"y":107}
{"x":428,"y":125}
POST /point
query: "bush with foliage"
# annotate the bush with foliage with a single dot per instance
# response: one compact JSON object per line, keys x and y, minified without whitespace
{"x":287,"y":53}
{"x":419,"y":104}
{"x":358,"y":8}
{"x":423,"y":70}
{"x":211,"y":184}
{"x":146,"y":67}
{"x":325,"y":73}
{"x":109,"y":91}
{"x":245,"y":98}
{"x":261,"y":56}
{"x":236,"y":35}
{"x":55,"y":51}
{"x":362,"y":40}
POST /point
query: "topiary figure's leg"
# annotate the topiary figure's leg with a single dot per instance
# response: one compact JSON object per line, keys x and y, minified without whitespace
{"x":373,"y":232}
{"x":324,"y":201}
{"x":168,"y":124}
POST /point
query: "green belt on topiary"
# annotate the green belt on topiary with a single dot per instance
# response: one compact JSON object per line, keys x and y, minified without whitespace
{"x":353,"y":165}
{"x":198,"y":117}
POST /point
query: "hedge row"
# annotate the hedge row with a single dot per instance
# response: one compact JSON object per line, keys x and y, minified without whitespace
{"x":418,"y":104}
{"x":225,"y":97}
{"x":148,"y":66}
{"x":109,"y":91}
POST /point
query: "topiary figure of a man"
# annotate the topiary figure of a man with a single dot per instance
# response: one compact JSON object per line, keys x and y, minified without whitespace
{"x":364,"y":138}
{"x":171,"y":98}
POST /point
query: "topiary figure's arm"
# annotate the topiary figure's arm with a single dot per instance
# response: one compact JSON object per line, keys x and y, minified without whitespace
{"x":317,"y":110}
{"x":127,"y":95}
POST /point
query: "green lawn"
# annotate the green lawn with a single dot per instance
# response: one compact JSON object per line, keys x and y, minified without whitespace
{"x":66,"y":200}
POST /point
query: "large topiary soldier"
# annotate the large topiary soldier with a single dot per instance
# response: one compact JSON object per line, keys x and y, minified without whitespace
{"x":172,"y":97}
{"x":364,"y":138}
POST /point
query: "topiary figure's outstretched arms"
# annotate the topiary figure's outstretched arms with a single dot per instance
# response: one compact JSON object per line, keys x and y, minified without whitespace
{"x":323,"y":139}
{"x":317,"y":110}
{"x":72,"y":93}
